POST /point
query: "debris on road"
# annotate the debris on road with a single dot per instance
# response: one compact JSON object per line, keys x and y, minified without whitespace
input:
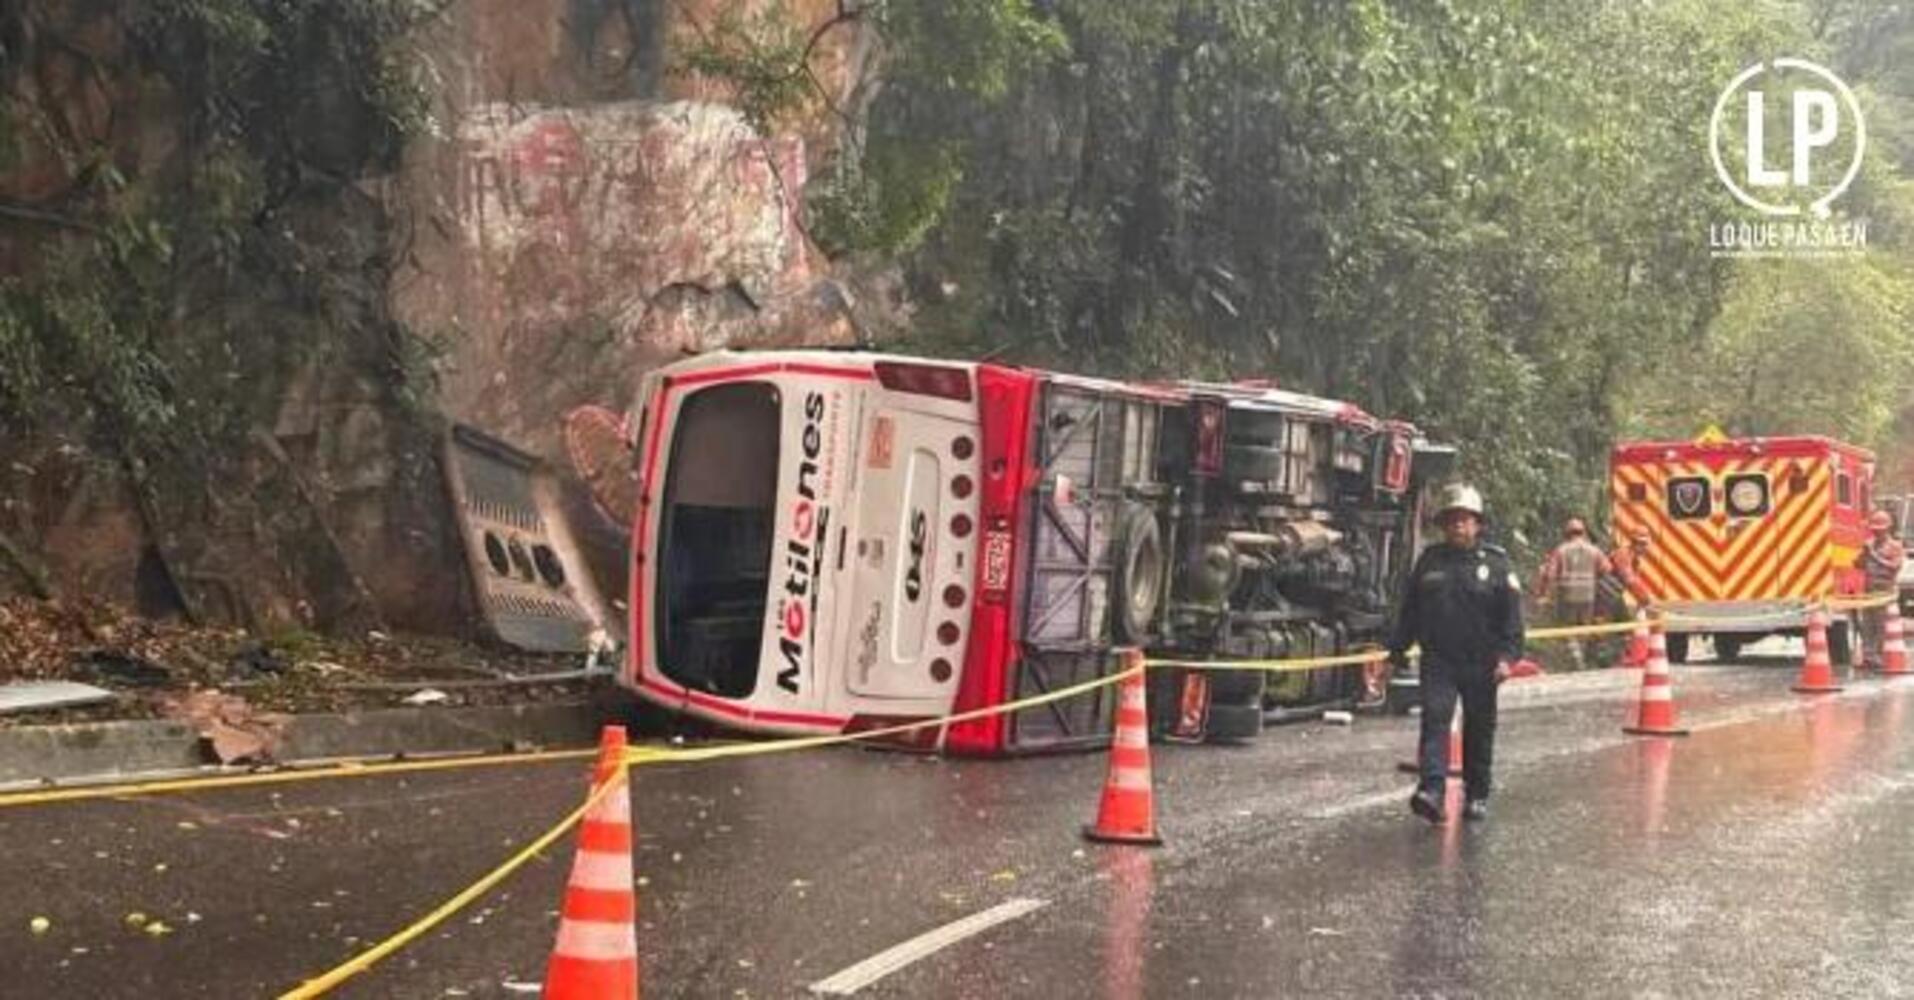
{"x":139,"y":664}
{"x":30,"y":696}
{"x":40,"y":925}
{"x":127,"y":669}
{"x":233,"y":728}
{"x":429,"y":696}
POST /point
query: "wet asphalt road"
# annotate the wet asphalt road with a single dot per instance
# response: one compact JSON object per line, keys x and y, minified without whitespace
{"x":1767,"y":854}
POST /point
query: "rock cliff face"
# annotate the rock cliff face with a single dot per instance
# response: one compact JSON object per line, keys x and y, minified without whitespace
{"x":582,"y":211}
{"x":590,"y":213}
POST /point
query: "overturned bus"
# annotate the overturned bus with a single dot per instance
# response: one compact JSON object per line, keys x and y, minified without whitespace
{"x":830,"y":541}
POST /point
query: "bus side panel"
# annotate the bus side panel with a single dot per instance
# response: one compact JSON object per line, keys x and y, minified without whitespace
{"x":1004,"y":401}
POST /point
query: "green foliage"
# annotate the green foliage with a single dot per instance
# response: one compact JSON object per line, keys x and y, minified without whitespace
{"x":762,"y":54}
{"x":137,"y":325}
{"x":888,"y":189}
{"x":902,"y":191}
{"x":1488,"y":216}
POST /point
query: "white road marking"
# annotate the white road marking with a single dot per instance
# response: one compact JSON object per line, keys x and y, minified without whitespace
{"x":890,"y":960}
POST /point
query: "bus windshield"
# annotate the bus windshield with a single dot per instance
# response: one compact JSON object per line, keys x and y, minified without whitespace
{"x":715,"y":537}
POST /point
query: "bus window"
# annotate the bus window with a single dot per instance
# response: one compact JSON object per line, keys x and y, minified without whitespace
{"x":715,"y":537}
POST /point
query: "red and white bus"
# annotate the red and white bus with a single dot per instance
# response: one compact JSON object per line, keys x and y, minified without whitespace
{"x":829,"y":541}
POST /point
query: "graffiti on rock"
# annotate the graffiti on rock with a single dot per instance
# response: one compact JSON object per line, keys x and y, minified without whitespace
{"x":604,"y":203}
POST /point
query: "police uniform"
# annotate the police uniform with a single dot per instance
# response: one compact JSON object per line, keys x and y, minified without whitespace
{"x":1464,"y":608}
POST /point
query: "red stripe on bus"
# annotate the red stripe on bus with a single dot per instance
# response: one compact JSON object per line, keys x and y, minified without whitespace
{"x":737,"y":711}
{"x":1003,"y":420}
{"x":641,"y":531}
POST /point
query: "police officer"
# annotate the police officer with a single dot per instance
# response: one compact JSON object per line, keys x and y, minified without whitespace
{"x":1463,"y":606}
{"x":1881,"y":560}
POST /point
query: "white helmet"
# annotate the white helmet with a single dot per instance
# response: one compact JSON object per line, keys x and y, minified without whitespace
{"x":1460,"y":496}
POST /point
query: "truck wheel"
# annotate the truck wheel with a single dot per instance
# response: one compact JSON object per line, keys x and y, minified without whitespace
{"x":1139,"y":573}
{"x":1727,"y":647}
{"x":1841,"y":643}
{"x":1252,"y":461}
{"x":1678,"y":647}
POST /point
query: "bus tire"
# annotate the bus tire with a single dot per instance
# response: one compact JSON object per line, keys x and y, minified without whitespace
{"x":1727,"y":647}
{"x":1678,"y":647}
{"x":1138,"y":589}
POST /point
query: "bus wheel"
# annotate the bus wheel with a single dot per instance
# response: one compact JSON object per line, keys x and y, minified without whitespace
{"x":1139,"y":580}
{"x":1727,"y":647}
{"x":1678,"y":647}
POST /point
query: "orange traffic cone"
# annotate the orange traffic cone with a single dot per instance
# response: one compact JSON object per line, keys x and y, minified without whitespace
{"x":1414,"y":766}
{"x":596,"y":956}
{"x":1636,"y":655}
{"x":1127,"y":814}
{"x":1657,"y":714}
{"x":1893,"y":643}
{"x":1817,"y":673}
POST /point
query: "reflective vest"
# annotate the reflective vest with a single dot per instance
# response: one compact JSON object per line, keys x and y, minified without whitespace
{"x":1576,"y":564}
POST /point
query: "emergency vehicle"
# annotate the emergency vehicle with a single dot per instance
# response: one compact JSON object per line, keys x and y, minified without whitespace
{"x":1745,"y":534}
{"x":835,"y":541}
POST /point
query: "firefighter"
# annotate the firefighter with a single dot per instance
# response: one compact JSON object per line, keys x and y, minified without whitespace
{"x":1625,"y":563}
{"x":1570,"y":580}
{"x":1463,"y":606}
{"x":1880,"y":562}
{"x":1629,"y":592}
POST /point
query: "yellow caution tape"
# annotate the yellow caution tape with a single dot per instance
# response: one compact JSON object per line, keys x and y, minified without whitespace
{"x":349,"y":769}
{"x":647,"y":755}
{"x":326,"y":982}
{"x":1861,"y":603}
{"x":672,"y":755}
{"x":637,"y":756}
{"x":1274,"y":666}
{"x":1582,"y":631}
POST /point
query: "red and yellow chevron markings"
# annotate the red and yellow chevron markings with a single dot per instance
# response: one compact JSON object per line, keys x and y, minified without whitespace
{"x":1781,"y":554}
